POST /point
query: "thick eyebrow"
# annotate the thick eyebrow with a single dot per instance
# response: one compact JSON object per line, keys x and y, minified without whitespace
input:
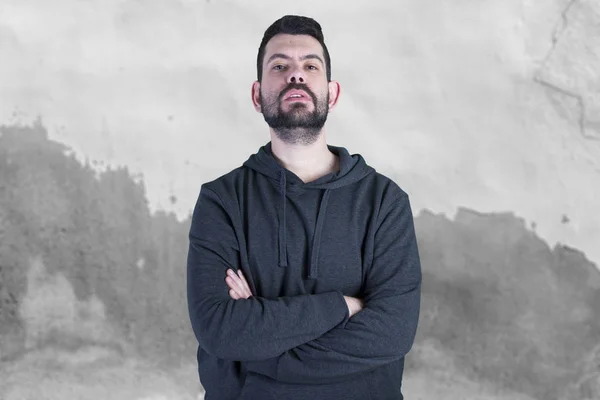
{"x":306,"y":57}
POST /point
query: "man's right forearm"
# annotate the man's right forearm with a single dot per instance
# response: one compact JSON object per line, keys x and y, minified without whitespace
{"x":259,"y":328}
{"x":255,"y":328}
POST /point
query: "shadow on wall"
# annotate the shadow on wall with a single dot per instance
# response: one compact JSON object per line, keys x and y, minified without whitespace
{"x":52,"y":315}
{"x":81,"y":256}
{"x":507,"y":310}
{"x":83,"y":261}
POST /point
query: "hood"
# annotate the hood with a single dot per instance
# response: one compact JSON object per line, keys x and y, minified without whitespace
{"x":352,"y":169}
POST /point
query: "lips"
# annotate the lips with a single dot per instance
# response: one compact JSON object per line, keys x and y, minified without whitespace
{"x":294,"y":92}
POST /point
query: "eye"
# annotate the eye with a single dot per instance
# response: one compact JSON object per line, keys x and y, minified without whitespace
{"x":279,"y":67}
{"x":314,"y":67}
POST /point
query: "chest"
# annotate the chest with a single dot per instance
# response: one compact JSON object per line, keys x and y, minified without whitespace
{"x":337,"y":253}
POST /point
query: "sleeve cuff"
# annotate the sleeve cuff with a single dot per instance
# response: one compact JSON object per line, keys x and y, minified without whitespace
{"x":264,"y":367}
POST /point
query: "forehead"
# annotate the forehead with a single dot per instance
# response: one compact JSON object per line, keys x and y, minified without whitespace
{"x":293,"y":45}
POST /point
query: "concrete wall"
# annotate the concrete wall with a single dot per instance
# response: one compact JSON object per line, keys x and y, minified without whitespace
{"x":493,"y":106}
{"x":490,"y":105}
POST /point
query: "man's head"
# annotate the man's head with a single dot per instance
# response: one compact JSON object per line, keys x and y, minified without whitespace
{"x":294,"y":91}
{"x":293,"y":25}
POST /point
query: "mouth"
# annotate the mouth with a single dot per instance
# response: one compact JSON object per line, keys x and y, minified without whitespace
{"x":297,"y":95}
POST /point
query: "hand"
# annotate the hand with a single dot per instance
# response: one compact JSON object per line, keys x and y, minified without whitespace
{"x":238,"y":285}
{"x":354,"y":304}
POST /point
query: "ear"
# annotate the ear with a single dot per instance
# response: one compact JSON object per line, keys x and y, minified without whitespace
{"x":334,"y":94}
{"x":256,"y":96}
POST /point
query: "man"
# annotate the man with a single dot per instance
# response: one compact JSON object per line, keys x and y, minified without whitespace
{"x":304,"y":277}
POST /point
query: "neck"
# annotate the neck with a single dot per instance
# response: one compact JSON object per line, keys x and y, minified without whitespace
{"x":308,"y":161}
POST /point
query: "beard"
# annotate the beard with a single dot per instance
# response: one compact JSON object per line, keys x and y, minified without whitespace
{"x":298,"y":125}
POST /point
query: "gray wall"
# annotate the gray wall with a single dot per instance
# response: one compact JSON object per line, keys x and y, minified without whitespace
{"x":486,"y":113}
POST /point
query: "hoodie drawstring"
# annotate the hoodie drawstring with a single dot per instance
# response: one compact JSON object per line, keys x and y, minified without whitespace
{"x":313,"y":268}
{"x":282,"y":222}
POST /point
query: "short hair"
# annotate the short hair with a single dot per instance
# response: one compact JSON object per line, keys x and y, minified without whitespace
{"x":293,"y":25}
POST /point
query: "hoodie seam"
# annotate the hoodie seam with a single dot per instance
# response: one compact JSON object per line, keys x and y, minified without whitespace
{"x":218,"y":197}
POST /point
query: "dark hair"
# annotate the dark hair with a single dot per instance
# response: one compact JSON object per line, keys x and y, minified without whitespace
{"x":293,"y":25}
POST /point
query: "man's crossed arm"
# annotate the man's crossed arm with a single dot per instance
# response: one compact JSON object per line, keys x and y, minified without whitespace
{"x":257,"y":328}
{"x":239,"y":289}
{"x":305,"y":339}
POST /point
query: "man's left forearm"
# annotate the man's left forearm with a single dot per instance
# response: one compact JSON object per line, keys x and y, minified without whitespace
{"x":381,"y":333}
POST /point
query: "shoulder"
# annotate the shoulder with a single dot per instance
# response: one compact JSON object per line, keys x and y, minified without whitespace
{"x":225,"y":184}
{"x":391,"y":186}
{"x":386,"y":185}
{"x":386,"y":188}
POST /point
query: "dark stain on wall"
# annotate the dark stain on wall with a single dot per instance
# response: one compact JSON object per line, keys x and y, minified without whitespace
{"x":498,"y":304}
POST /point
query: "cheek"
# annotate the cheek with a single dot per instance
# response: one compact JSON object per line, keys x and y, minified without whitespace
{"x":270,"y":88}
{"x":324,"y":96}
{"x":271,"y":96}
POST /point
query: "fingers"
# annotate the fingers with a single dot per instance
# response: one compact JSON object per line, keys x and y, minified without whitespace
{"x":235,"y":285}
{"x":233,"y":294}
{"x":244,"y":282}
{"x":238,"y":285}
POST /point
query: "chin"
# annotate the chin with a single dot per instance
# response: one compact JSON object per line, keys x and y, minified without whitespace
{"x":300,"y":110}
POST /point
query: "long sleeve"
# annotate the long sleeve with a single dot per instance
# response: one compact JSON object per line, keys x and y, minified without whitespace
{"x":383,"y":331}
{"x":251,"y":329}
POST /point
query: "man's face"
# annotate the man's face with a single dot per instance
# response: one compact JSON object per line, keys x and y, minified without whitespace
{"x":294,"y":92}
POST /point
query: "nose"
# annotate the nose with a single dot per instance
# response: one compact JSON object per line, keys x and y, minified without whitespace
{"x":296,"y":77}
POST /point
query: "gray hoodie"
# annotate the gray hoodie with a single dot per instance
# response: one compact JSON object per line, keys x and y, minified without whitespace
{"x":302,"y":247}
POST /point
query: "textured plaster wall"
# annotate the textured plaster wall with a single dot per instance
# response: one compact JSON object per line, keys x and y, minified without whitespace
{"x":50,"y":306}
{"x":490,"y":105}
